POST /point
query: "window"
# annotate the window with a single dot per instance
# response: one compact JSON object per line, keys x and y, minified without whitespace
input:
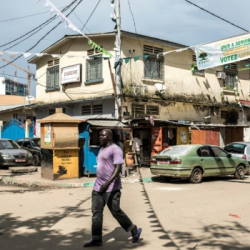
{"x":94,"y":67}
{"x":153,"y":66}
{"x":94,"y":109}
{"x":152,"y":110}
{"x":219,"y":152}
{"x":19,"y":142}
{"x":138,"y":110}
{"x":231,"y":74}
{"x":230,"y":81}
{"x":97,"y":109}
{"x":86,"y":110}
{"x":204,"y":152}
{"x":235,"y":148}
{"x":224,"y":114}
{"x":53,"y":75}
{"x":26,"y":143}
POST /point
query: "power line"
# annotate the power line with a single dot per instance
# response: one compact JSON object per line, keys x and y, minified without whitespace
{"x":17,"y":18}
{"x":217,"y":16}
{"x":42,"y":37}
{"x":83,"y":26}
{"x":43,"y":24}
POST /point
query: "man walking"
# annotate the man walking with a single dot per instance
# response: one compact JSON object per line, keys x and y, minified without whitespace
{"x":107,"y":190}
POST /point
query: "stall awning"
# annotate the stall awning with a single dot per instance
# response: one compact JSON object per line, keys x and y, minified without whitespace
{"x":245,"y":104}
{"x":107,"y":123}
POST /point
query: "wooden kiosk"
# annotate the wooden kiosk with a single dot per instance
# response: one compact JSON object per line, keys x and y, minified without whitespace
{"x":59,"y":146}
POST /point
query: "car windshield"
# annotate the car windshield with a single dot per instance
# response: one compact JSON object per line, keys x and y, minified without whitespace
{"x":235,"y":148}
{"x":8,"y":144}
{"x":36,"y":142}
{"x":176,"y":150}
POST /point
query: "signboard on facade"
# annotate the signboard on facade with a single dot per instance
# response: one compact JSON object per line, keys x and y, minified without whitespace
{"x":71,"y":74}
{"x":223,"y":52}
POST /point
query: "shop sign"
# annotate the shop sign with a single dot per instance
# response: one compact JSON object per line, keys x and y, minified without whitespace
{"x":223,"y":52}
{"x":71,"y":74}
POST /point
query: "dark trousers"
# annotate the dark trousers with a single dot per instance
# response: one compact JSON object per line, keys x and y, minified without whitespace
{"x":112,"y":199}
{"x":138,"y":155}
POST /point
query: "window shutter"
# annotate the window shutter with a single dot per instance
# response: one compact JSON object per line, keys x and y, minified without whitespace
{"x":97,"y":109}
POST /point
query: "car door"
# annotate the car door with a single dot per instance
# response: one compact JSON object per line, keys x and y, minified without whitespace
{"x":226,"y":164}
{"x":208,"y":161}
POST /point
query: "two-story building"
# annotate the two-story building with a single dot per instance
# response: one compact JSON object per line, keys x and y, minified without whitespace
{"x":166,"y":99}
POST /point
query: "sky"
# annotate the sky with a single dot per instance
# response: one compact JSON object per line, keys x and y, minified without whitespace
{"x":173,"y":20}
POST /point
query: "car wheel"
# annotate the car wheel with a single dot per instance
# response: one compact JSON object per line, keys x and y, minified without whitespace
{"x":240,"y":172}
{"x":36,"y":160}
{"x":196,"y":176}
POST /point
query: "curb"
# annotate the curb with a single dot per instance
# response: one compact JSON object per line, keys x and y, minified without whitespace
{"x":13,"y":181}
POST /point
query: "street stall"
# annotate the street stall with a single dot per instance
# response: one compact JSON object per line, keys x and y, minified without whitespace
{"x":89,"y":136}
{"x":158,"y":136}
{"x":59,"y":146}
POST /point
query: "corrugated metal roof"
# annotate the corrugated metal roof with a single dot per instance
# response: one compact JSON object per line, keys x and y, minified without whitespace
{"x":106,"y":123}
{"x":10,"y":107}
{"x":245,"y":104}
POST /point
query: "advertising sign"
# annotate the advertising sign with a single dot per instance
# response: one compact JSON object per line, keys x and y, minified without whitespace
{"x":47,"y":134}
{"x":71,"y":74}
{"x":223,"y":52}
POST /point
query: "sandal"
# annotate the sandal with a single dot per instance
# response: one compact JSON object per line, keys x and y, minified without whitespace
{"x":93,"y":243}
{"x":136,"y":238}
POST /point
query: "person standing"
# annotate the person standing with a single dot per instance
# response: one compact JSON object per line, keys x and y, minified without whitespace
{"x":137,"y":147}
{"x":107,"y":190}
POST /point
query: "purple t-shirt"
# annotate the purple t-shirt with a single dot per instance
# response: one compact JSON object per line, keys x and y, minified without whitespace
{"x":106,"y":160}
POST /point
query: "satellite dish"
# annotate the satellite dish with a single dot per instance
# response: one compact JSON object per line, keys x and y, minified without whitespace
{"x":160,"y":86}
{"x":29,"y":98}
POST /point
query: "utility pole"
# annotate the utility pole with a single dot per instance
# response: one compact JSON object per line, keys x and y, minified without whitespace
{"x":118,"y":61}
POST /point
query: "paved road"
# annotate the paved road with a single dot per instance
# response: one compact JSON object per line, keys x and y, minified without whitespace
{"x":174,"y":215}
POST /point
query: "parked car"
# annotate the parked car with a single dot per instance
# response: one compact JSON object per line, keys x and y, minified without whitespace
{"x":11,"y":154}
{"x":239,"y":149}
{"x":33,"y":146}
{"x":197,"y":161}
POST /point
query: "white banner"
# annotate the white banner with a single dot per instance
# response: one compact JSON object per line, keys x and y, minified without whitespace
{"x":71,"y":74}
{"x":223,"y":52}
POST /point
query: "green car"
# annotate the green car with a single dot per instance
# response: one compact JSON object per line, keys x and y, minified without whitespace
{"x":197,"y":161}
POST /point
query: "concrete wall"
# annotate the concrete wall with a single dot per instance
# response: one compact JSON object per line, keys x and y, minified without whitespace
{"x":75,"y":111}
{"x":75,"y":90}
{"x":179,"y":80}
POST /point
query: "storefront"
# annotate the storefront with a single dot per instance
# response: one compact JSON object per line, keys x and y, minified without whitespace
{"x":159,"y":136}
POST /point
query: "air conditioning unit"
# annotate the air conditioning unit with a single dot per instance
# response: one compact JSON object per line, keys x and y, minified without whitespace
{"x":139,"y":90}
{"x":221,"y":75}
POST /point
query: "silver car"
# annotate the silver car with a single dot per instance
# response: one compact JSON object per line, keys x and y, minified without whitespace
{"x":239,"y":149}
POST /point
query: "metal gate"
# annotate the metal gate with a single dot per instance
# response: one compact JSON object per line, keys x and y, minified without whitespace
{"x":14,"y":129}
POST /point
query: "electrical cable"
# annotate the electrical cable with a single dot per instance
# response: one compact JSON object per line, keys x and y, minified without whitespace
{"x":17,"y":18}
{"x":217,"y":16}
{"x":82,"y":27}
{"x":44,"y":23}
{"x":42,"y":37}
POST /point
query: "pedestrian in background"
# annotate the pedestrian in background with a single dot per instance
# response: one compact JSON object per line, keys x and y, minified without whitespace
{"x":107,"y":190}
{"x":137,"y":144}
